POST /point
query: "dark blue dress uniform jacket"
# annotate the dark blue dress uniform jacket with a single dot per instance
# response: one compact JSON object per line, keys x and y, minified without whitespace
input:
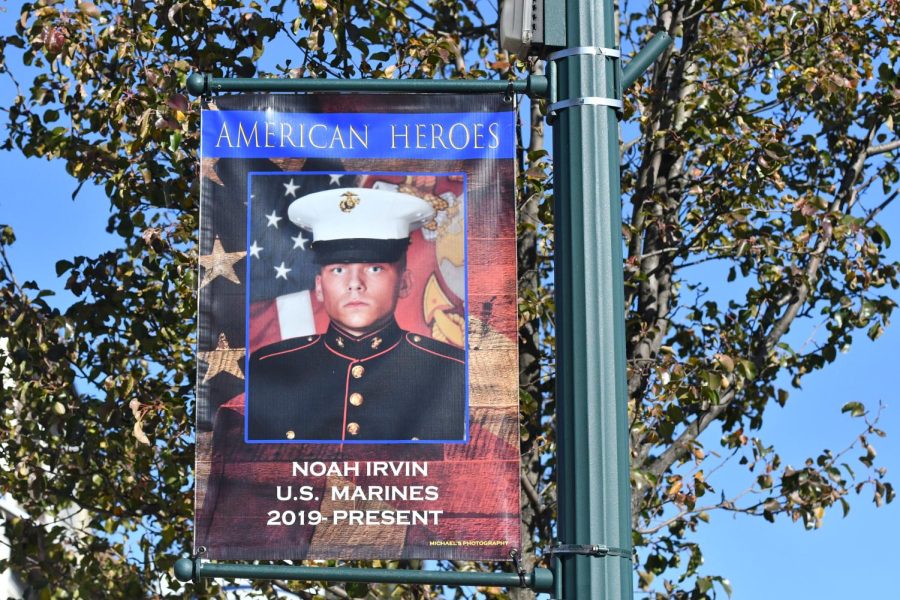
{"x":387,"y":385}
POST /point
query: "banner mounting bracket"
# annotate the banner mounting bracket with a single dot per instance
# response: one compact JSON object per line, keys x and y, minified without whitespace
{"x":535,"y":86}
{"x":187,"y":569}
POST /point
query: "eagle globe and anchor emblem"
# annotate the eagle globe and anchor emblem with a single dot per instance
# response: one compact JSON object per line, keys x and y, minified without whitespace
{"x":348,"y":202}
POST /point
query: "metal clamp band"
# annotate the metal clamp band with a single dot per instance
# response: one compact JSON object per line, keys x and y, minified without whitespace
{"x":588,"y":100}
{"x":585,"y":50}
{"x":600,"y":550}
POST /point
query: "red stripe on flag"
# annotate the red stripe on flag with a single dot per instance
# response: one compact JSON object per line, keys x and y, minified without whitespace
{"x":264,"y":327}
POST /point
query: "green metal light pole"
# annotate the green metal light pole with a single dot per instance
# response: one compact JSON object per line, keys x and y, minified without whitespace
{"x":594,"y":481}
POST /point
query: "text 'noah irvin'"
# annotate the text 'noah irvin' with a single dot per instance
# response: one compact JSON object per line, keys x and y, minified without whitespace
{"x":352,"y":468}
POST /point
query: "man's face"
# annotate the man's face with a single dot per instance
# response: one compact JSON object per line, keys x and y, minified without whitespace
{"x":361,"y":297}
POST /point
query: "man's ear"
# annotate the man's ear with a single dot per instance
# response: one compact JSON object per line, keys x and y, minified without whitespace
{"x":405,"y":284}
{"x":319,"y":295}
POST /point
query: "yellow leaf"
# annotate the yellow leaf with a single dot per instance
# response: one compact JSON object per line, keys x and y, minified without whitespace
{"x":139,"y":434}
{"x":89,"y":9}
{"x":726,"y":361}
{"x":674,"y":488}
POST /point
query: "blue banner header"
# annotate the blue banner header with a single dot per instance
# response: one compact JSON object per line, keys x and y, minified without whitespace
{"x":437,"y":136}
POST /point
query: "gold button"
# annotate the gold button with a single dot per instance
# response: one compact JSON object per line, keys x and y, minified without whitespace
{"x":357,"y":371}
{"x":352,"y":428}
{"x":356,"y":399}
{"x":417,"y":338}
{"x":290,"y":434}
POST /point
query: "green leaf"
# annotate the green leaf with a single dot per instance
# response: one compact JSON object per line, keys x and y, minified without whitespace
{"x":782,"y":397}
{"x":357,"y":590}
{"x":704,"y":584}
{"x":868,"y":309}
{"x":62,"y":266}
{"x":714,"y":380}
{"x":748,"y":369}
{"x":880,"y":236}
{"x":174,"y":141}
{"x":856,"y":409}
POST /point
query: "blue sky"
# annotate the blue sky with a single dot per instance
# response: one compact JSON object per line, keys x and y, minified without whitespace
{"x":848,"y":558}
{"x":844,"y":558}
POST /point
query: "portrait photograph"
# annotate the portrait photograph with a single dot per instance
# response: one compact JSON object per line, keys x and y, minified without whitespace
{"x":356,"y":308}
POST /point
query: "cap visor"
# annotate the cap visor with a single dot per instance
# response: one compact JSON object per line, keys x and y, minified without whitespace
{"x":359,"y":250}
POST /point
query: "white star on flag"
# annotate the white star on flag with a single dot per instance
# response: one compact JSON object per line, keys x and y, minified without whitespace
{"x":281,"y":271}
{"x":273,"y":220}
{"x":334,"y":179}
{"x":290,"y":189}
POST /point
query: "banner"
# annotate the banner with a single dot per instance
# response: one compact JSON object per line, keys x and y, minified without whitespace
{"x":358,"y":378}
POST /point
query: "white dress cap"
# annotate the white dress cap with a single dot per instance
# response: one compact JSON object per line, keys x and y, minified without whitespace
{"x":359,"y":213}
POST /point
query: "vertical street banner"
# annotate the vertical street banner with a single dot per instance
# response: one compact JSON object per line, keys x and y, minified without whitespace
{"x":357,"y":331}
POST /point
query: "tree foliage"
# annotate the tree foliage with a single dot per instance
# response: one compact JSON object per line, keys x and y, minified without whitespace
{"x":764,"y":149}
{"x":765,"y":155}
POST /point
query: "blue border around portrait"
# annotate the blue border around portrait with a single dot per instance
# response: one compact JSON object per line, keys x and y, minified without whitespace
{"x":466,"y":307}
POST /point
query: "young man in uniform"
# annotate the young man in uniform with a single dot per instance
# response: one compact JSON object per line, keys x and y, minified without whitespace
{"x":364,"y":379}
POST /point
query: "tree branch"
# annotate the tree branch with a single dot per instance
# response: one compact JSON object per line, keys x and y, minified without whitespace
{"x":873,"y":150}
{"x":533,"y":497}
{"x":875,"y":211}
